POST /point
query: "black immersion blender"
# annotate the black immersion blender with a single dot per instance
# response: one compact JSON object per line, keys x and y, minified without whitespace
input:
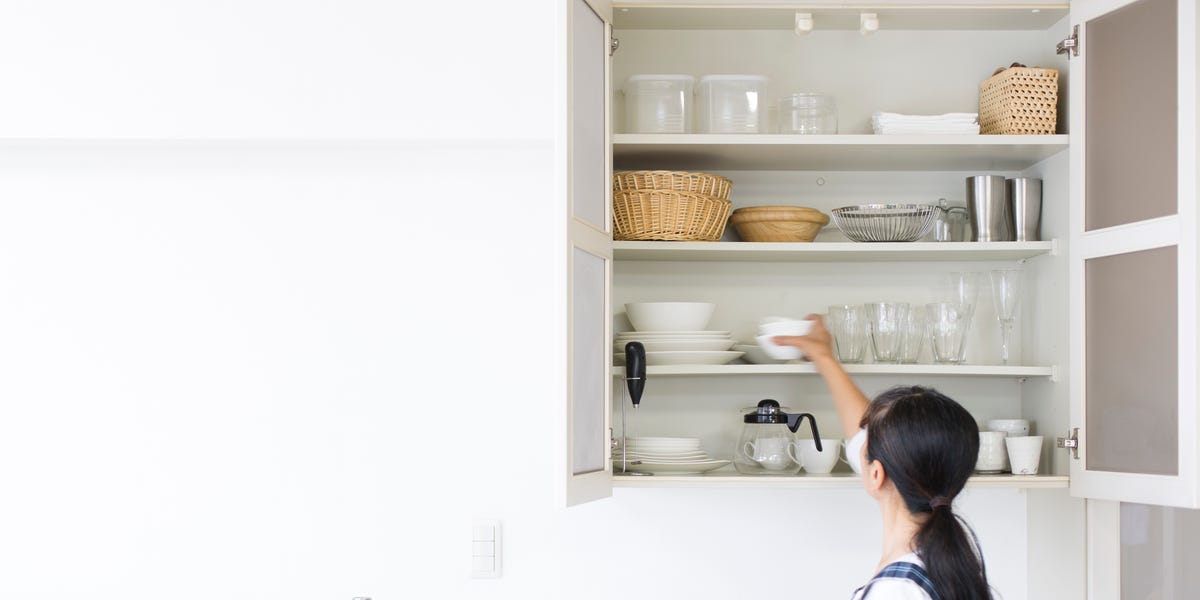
{"x":635,"y":380}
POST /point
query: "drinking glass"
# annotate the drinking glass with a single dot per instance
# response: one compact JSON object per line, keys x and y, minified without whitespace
{"x":885,"y":320}
{"x":948,"y":323}
{"x":848,"y":326}
{"x":1006,"y":295}
{"x":962,"y":287}
{"x":912,"y":336}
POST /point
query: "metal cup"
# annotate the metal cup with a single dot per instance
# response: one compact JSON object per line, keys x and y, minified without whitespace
{"x":986,"y":207}
{"x":1023,"y":197}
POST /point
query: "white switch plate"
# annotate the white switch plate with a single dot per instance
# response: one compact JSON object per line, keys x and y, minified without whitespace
{"x":486,"y":543}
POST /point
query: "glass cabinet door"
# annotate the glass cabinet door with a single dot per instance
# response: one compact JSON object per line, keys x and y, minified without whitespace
{"x":589,"y":263}
{"x":1133,"y":251}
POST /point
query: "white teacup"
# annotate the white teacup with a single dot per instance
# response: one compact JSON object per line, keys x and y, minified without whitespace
{"x":991,"y":452}
{"x":1024,"y":453}
{"x":771,"y":453}
{"x":805,"y":452}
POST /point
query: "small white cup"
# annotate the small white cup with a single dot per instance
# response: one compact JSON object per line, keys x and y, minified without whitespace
{"x":991,"y":452}
{"x":1024,"y":454}
{"x":805,"y":453}
{"x":772,"y":453}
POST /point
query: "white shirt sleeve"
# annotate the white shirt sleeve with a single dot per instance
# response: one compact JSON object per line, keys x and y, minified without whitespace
{"x":854,"y":450}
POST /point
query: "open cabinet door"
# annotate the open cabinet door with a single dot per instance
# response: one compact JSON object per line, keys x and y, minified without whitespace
{"x":1133,"y":251}
{"x":589,"y":263}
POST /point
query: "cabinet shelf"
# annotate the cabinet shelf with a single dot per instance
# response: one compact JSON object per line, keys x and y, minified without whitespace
{"x":785,"y":152}
{"x":831,"y":251}
{"x":968,"y":370}
{"x":733,"y":479}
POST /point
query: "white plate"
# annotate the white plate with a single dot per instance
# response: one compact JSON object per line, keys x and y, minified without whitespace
{"x":672,"y":345}
{"x":684,"y":357}
{"x":629,"y":335}
{"x":689,"y":459}
{"x":663,"y":456}
{"x":674,"y":469}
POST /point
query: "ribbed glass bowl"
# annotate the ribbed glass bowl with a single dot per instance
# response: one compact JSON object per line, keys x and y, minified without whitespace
{"x":885,"y":222}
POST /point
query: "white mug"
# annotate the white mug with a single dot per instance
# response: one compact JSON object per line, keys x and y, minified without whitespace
{"x":1024,"y":454}
{"x":817,"y":462}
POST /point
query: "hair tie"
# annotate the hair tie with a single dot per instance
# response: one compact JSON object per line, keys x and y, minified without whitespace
{"x":939,"y":501}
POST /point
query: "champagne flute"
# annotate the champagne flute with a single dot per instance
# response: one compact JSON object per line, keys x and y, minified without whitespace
{"x":1006,"y":295}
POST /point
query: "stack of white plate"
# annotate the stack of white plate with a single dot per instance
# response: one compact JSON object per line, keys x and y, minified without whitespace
{"x":679,"y":347}
{"x":666,"y":455}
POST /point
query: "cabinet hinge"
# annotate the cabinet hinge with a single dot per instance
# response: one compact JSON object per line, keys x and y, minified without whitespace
{"x":1071,"y":442}
{"x":613,"y":44}
{"x":1069,"y":46}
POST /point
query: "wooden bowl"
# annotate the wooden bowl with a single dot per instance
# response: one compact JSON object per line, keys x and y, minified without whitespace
{"x":778,"y":223}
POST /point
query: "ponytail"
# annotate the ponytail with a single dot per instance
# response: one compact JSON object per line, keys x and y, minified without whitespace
{"x":927,"y":444}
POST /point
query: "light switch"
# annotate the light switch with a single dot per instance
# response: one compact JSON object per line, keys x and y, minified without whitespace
{"x":485,"y":548}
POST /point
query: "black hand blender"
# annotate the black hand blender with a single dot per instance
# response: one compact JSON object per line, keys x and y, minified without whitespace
{"x":635,"y":380}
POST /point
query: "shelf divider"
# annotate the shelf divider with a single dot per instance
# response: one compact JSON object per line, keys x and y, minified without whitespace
{"x":844,"y":480}
{"x":967,"y":370}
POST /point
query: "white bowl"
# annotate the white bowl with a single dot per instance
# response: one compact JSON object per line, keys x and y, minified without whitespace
{"x":756,"y":355}
{"x":669,"y":316}
{"x":776,"y":351}
{"x":788,"y":327}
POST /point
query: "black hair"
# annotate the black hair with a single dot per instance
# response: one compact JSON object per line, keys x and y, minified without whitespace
{"x":928,"y":445}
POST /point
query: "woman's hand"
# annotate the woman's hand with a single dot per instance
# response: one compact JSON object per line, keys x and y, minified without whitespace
{"x":816,"y":346}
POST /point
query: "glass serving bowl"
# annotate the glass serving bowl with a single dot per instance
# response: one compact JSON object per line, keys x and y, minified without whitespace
{"x":885,"y":222}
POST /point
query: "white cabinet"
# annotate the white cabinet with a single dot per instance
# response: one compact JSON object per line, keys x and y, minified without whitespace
{"x":923,"y":62}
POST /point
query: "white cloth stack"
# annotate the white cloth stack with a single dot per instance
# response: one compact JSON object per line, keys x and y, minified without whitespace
{"x":885,"y":123}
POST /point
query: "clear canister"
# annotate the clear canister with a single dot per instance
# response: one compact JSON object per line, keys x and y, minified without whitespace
{"x":808,"y":113}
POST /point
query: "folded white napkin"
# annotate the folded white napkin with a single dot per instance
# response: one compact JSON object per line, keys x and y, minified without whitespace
{"x":894,"y":123}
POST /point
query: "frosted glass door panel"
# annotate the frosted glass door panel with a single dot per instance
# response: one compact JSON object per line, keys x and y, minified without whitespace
{"x":1160,"y":548}
{"x":588,"y":123}
{"x":589,"y":444}
{"x":1132,"y":361}
{"x":1131,"y":144}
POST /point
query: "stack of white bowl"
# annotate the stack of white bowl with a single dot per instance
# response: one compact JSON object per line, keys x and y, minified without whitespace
{"x":666,"y":455}
{"x":673,"y":334}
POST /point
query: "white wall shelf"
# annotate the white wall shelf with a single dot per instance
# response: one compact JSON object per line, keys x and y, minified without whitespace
{"x":732,"y":479}
{"x":1035,"y":15}
{"x":778,"y":152}
{"x":967,"y":370}
{"x":831,"y":251}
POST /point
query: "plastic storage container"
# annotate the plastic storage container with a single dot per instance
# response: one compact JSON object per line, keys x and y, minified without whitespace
{"x":808,"y":113}
{"x":732,"y":104}
{"x":658,"y":103}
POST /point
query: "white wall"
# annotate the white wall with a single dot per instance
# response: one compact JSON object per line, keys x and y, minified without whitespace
{"x":292,"y":362}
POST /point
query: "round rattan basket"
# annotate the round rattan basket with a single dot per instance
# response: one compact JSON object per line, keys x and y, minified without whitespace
{"x":668,"y":215}
{"x":679,"y":181}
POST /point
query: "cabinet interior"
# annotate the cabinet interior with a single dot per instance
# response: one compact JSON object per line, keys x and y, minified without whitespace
{"x":929,"y":70}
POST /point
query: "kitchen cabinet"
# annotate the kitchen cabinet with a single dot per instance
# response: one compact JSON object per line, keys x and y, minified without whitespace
{"x":1107,"y":256}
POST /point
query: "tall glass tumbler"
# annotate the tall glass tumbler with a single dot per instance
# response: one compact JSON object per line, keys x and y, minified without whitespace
{"x":913,"y":334}
{"x":948,"y":324}
{"x":848,"y":326}
{"x":886,"y":320}
{"x":962,"y":287}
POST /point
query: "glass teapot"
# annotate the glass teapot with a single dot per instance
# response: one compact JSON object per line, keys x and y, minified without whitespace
{"x":767,"y":445}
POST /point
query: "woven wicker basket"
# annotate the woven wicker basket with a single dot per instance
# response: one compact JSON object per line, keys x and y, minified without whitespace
{"x":668,"y":215}
{"x":1019,"y":100}
{"x":680,"y":181}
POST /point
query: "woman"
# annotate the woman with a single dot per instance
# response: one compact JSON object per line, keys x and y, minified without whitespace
{"x":915,"y":449}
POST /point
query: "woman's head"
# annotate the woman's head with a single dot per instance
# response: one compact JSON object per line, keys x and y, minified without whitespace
{"x":927,"y":445}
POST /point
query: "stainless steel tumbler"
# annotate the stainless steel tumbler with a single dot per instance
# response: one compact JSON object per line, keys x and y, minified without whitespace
{"x":1024,"y":200}
{"x":986,"y":208}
